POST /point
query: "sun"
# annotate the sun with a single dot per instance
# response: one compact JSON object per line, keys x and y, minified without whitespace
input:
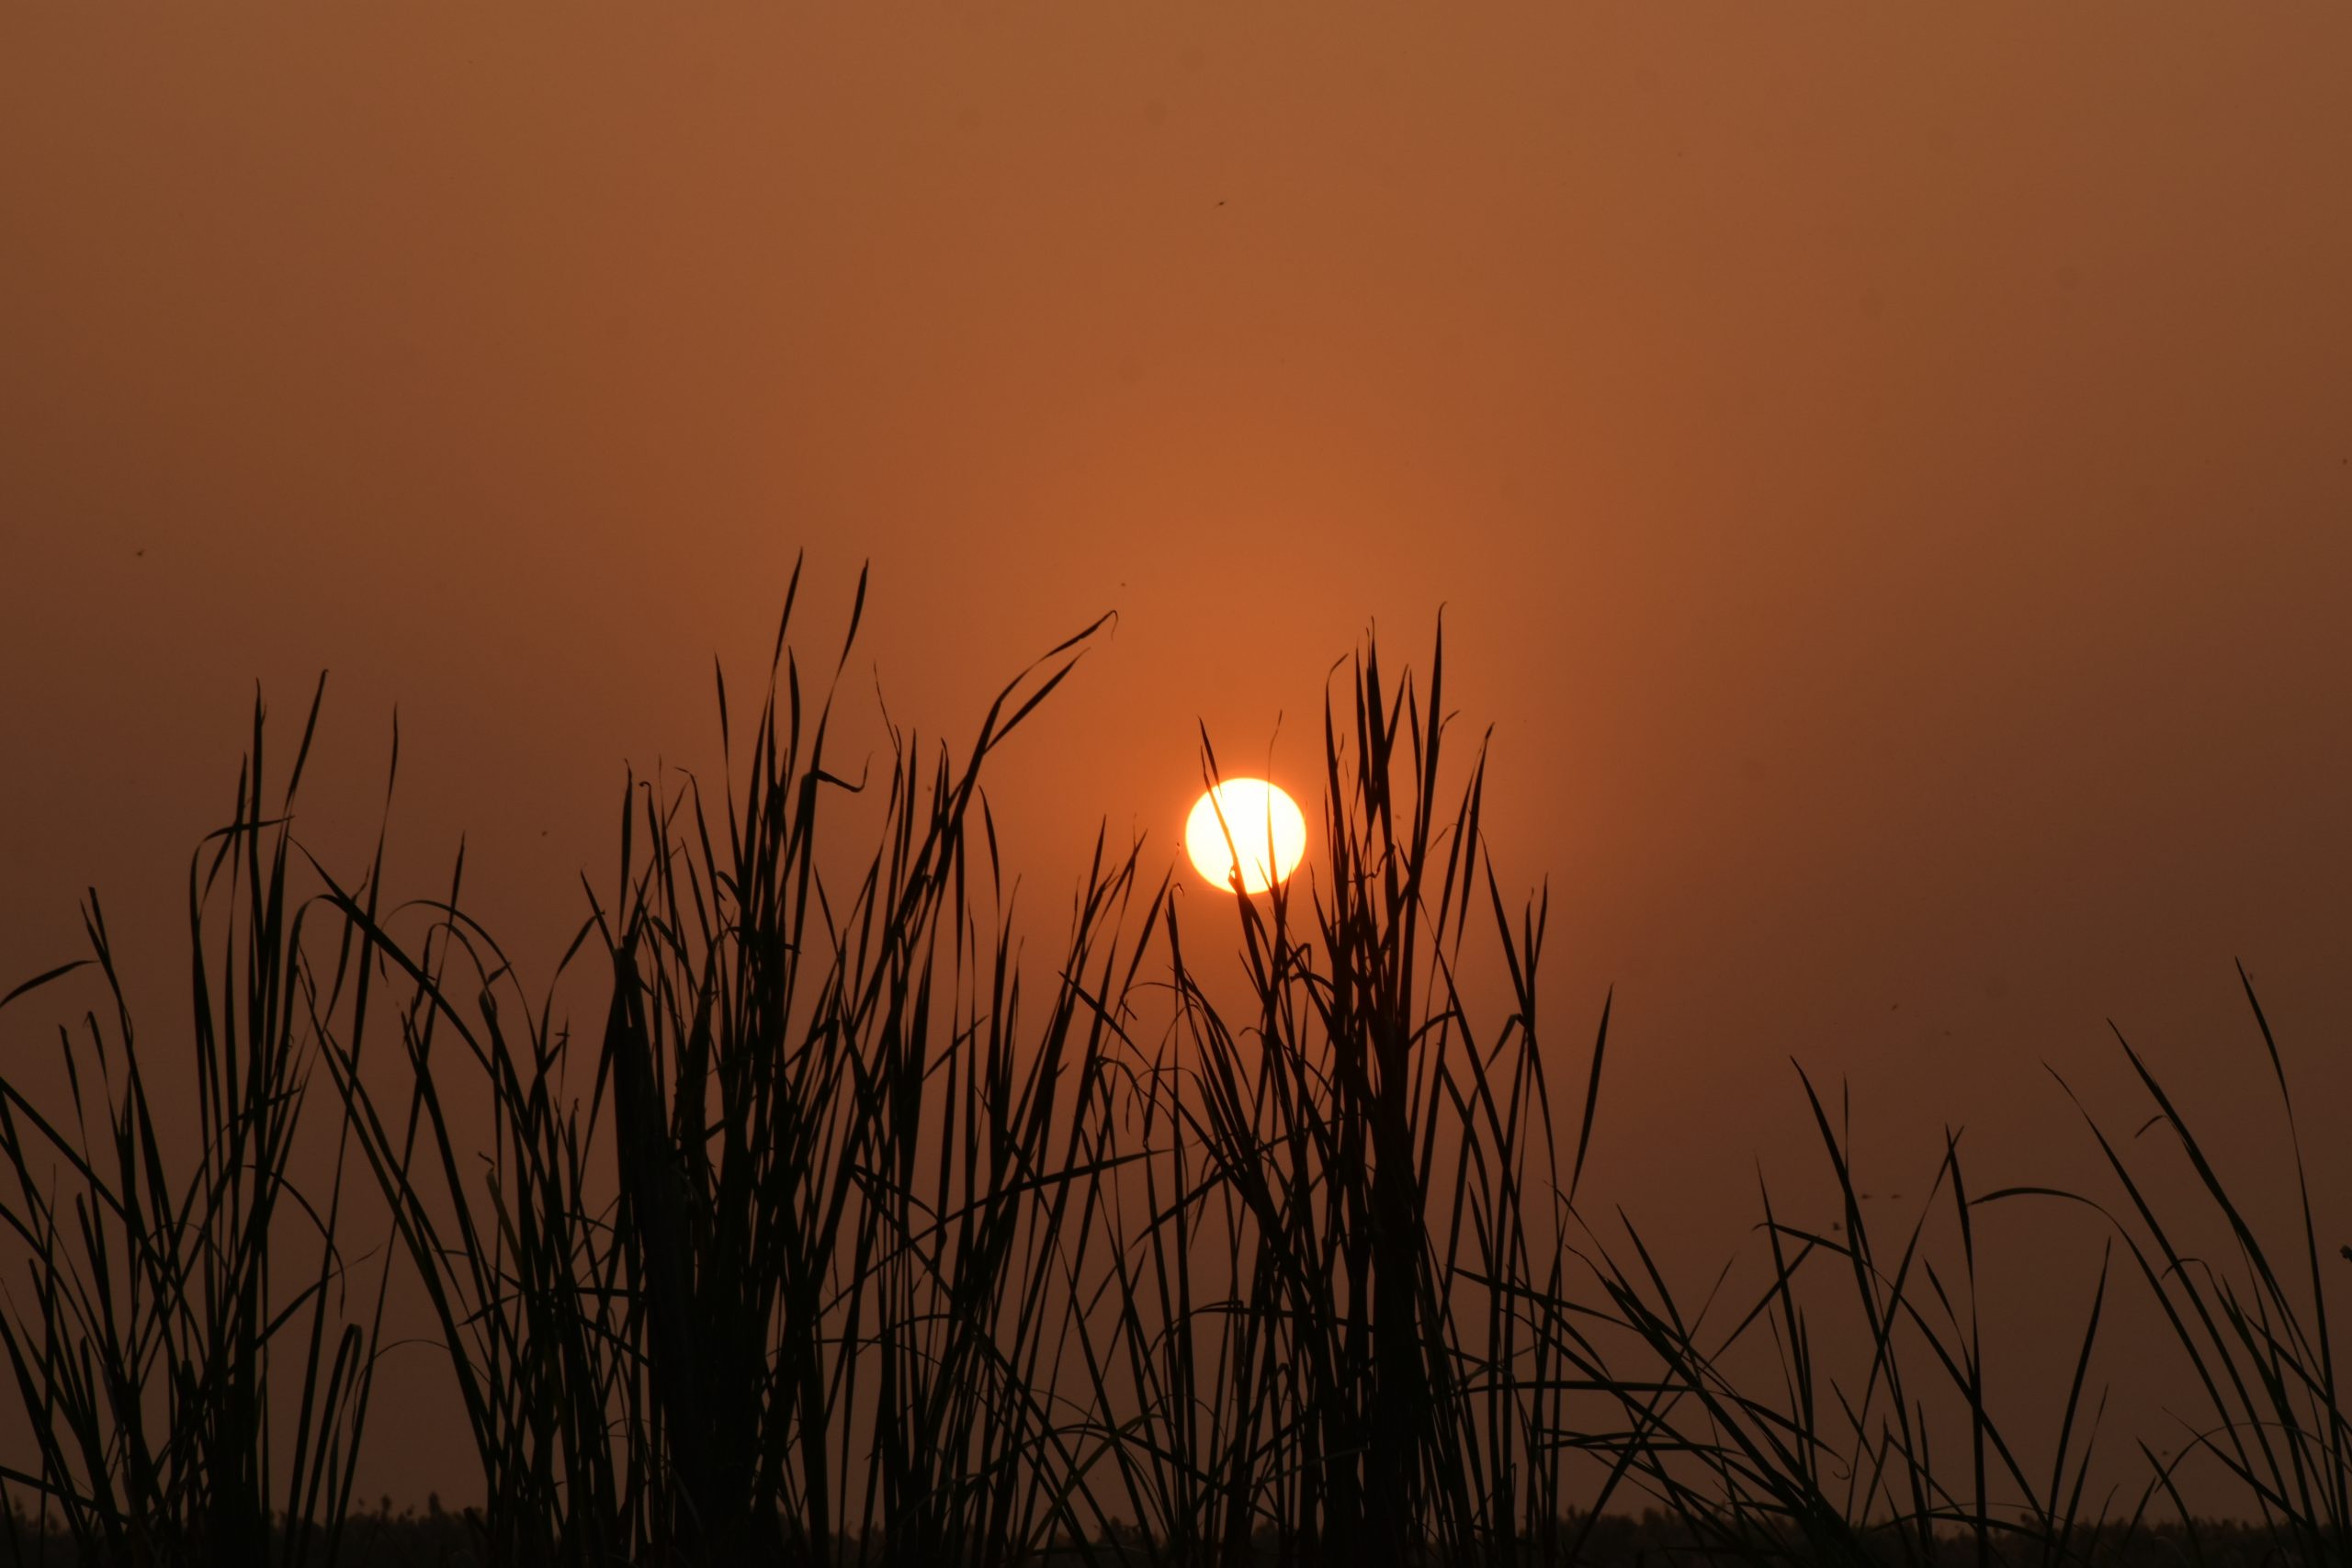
{"x":1250,"y":816}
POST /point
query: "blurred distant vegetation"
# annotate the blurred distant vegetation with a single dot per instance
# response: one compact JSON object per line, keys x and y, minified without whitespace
{"x":849,"y":1235}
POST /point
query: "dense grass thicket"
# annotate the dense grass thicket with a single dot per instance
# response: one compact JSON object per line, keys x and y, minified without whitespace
{"x":854,"y":1232}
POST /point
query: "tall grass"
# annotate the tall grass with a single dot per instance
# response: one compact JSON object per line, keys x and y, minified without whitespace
{"x":159,"y":1334}
{"x":1226,"y":1228}
{"x":1840,"y":1462}
{"x":773,"y":1273}
{"x":1319,"y":1314}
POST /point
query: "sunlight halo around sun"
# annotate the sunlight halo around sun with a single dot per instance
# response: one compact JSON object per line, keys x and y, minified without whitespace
{"x":1260,"y":821}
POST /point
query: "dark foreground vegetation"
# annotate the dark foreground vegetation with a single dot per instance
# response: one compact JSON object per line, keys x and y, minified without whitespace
{"x":383,"y":1538}
{"x":853,"y":1232}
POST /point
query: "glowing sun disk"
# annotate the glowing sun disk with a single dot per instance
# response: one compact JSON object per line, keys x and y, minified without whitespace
{"x":1254,"y":817}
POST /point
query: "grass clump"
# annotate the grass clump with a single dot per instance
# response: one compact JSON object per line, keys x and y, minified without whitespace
{"x":770,"y":1264}
{"x":162,"y":1327}
{"x":1320,"y":1317}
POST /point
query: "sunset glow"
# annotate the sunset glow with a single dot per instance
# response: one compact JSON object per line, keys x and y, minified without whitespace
{"x":1799,"y":555}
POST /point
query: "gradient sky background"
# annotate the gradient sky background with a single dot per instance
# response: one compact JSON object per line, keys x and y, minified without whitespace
{"x":1888,"y":472}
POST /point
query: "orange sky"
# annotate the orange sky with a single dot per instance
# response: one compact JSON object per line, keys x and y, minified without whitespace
{"x":1888,"y":473}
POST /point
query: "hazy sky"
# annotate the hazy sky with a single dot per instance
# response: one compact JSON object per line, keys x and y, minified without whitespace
{"x":1887,"y":471}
